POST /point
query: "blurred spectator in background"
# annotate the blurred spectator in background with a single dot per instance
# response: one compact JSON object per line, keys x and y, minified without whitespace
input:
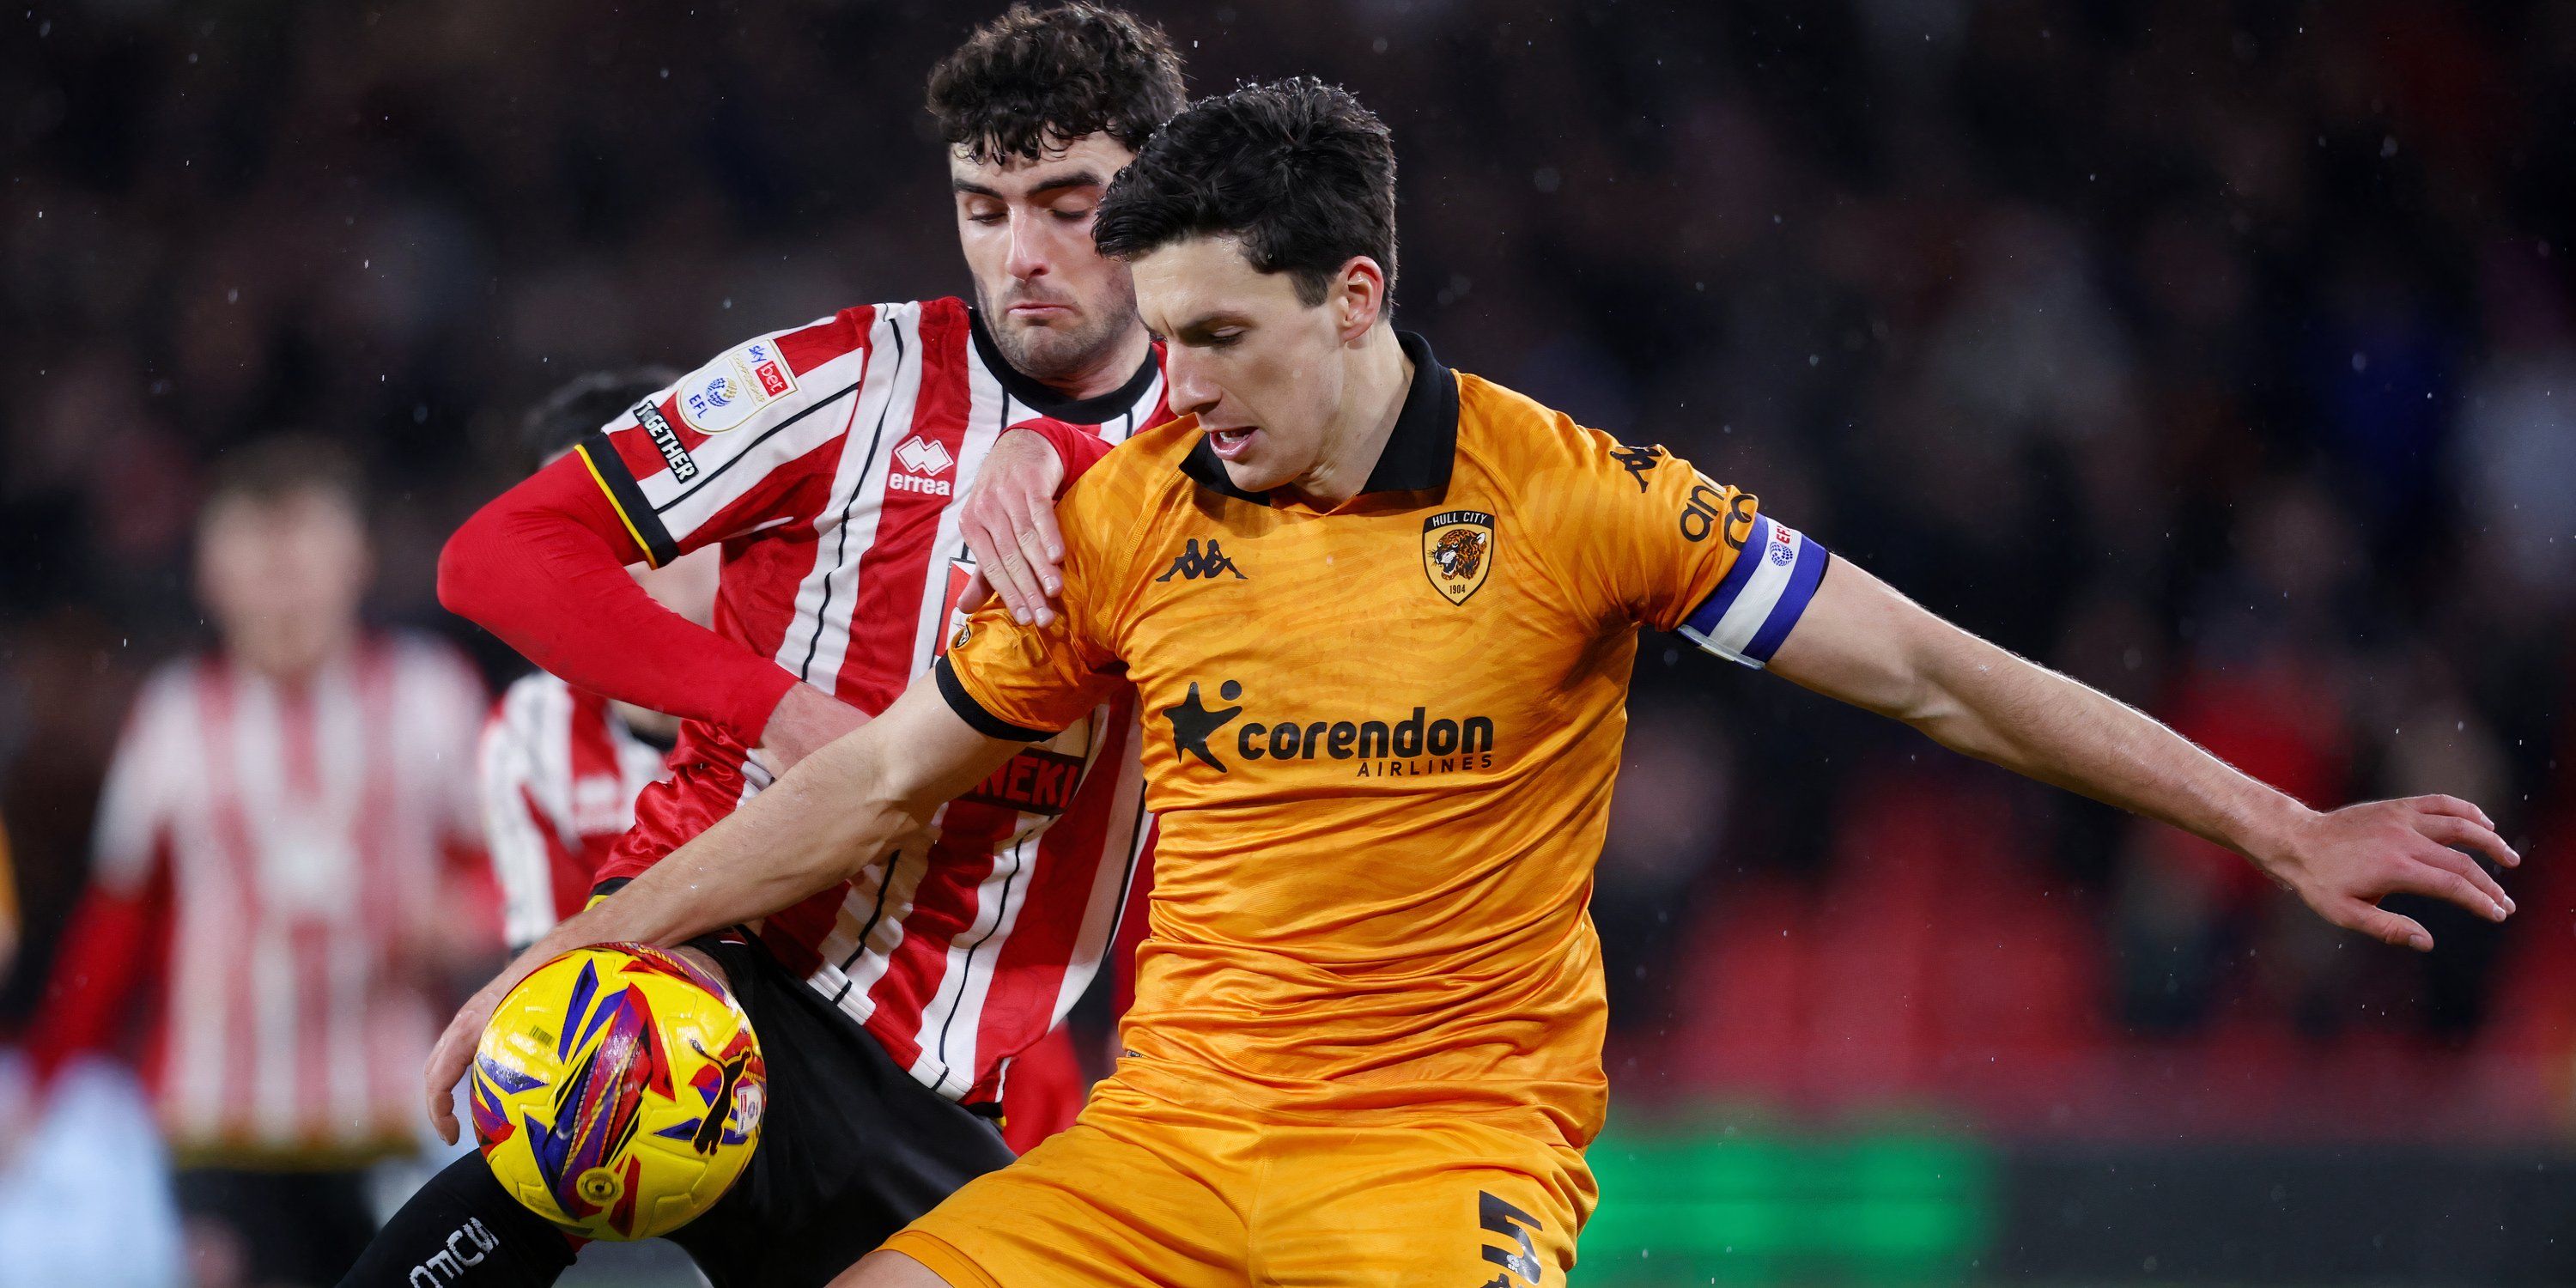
{"x":8,"y":903}
{"x":273,"y":860}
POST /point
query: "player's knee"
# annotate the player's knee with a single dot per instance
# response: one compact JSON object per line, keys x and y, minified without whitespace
{"x":889,"y":1270}
{"x":463,"y":1229}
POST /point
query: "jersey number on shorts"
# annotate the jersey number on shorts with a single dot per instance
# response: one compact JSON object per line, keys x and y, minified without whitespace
{"x":1502,"y":1218}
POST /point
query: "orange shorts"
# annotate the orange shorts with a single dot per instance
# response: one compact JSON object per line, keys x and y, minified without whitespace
{"x":1140,"y":1191}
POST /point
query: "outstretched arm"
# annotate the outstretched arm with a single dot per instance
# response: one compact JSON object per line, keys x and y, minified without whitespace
{"x":1861,"y":642}
{"x":819,"y":825}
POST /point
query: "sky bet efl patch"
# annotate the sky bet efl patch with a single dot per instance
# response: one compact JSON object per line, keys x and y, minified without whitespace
{"x":726,"y":392}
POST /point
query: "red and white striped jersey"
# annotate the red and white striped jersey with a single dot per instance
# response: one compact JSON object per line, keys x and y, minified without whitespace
{"x":559,"y":772}
{"x":300,"y":836}
{"x":827,"y":461}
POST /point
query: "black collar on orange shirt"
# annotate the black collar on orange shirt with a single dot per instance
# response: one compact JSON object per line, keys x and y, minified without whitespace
{"x":1419,"y":450}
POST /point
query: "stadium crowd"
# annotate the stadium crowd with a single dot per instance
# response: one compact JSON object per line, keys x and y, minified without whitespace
{"x":2210,"y":352}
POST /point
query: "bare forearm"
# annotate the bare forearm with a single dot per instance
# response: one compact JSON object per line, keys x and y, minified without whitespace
{"x":1984,"y":702}
{"x":1864,"y":644}
{"x":818,"y":826}
{"x":840,"y":808}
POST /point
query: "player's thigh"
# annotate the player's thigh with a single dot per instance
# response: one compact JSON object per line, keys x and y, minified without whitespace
{"x":1445,"y":1204}
{"x":1133,"y":1193}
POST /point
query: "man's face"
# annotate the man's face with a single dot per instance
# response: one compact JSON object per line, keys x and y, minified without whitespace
{"x":1055,"y":305}
{"x":282,"y":576}
{"x":1262,"y":369}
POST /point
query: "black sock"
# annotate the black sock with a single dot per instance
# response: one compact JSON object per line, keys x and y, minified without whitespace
{"x":462,"y":1228}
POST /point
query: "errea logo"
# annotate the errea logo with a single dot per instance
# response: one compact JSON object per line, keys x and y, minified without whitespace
{"x":921,"y":457}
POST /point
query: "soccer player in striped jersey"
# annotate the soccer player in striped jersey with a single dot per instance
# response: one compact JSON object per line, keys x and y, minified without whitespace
{"x":1366,"y":1042}
{"x":276,"y":846}
{"x":831,"y":464}
{"x":560,"y":766}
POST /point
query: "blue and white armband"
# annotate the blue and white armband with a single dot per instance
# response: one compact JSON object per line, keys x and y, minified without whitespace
{"x":1763,"y":595}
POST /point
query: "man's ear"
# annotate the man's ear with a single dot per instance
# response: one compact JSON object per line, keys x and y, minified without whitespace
{"x":1359,"y":297}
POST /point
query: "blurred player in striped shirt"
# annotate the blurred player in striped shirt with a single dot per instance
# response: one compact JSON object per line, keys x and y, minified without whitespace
{"x":271,"y":880}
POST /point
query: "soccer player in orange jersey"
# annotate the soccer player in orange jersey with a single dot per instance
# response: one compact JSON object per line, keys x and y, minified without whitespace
{"x":1382,"y":616}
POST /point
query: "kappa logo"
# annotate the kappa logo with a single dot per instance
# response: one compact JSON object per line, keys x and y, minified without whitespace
{"x":1190,"y":564}
{"x":1638,"y":461}
{"x":922,"y":457}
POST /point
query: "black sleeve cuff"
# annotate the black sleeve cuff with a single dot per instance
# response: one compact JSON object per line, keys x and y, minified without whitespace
{"x":641,"y":522}
{"x":973,"y":712}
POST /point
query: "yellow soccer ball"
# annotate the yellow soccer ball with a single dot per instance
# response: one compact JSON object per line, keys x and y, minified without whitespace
{"x":618,"y":1091}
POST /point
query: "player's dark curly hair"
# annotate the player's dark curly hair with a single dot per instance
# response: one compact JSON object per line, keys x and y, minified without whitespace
{"x":1038,"y":76}
{"x":1296,"y":169}
{"x":584,"y":404}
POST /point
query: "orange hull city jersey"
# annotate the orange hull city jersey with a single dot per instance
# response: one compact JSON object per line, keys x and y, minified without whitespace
{"x":1381,"y":740}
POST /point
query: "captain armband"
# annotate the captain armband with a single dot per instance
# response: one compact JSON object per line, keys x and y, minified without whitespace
{"x":1762,"y":596}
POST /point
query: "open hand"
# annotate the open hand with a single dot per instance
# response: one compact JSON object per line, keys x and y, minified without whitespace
{"x":1008,"y":520}
{"x":455,"y":1050}
{"x":2343,"y":862}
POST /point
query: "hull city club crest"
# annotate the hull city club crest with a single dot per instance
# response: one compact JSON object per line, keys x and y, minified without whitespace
{"x":1458,"y":552}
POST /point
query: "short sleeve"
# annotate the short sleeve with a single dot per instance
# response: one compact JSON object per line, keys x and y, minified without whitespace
{"x":739,"y":443}
{"x":1025,"y":683}
{"x":1028,"y":682}
{"x":1666,"y":546}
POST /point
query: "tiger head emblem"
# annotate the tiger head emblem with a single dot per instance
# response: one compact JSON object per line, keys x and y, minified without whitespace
{"x":1460,"y":553}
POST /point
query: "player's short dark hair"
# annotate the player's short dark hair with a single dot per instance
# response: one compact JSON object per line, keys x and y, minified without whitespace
{"x":582,"y":405}
{"x":269,"y":470}
{"x":1296,"y":169}
{"x":1033,"y":77}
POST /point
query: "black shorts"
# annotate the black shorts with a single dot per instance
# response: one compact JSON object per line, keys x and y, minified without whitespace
{"x":852,"y":1149}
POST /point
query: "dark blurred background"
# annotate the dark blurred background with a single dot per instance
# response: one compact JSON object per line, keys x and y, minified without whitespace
{"x":2221,"y":354}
